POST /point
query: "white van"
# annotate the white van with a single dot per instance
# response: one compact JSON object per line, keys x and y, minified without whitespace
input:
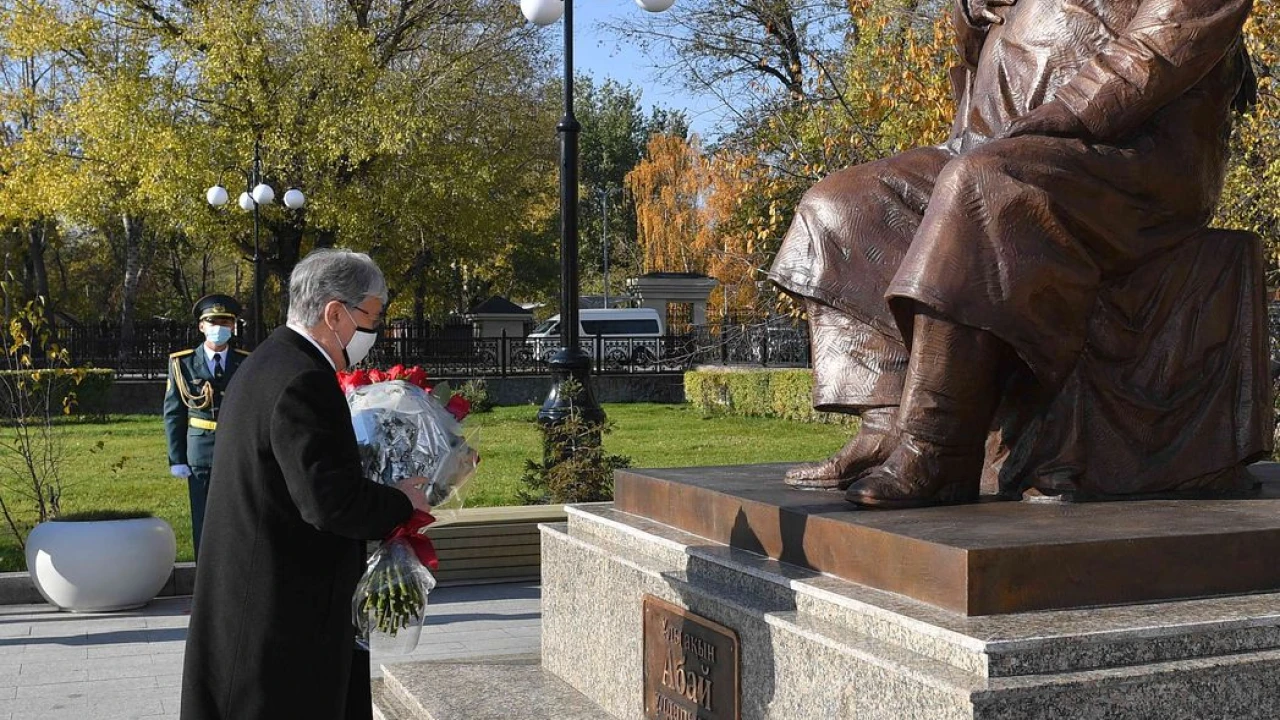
{"x":626,"y":334}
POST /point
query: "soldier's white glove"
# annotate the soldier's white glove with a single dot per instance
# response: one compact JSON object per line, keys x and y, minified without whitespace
{"x":182,"y":472}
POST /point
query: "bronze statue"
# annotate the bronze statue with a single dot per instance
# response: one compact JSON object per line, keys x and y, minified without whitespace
{"x":1039,"y":303}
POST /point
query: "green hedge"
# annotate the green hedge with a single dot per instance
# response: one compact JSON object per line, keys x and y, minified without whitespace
{"x":784,"y":394}
{"x":92,"y":388}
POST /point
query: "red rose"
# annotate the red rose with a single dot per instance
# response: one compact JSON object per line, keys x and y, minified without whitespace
{"x":376,"y":375}
{"x":352,"y":379}
{"x":417,"y":376}
{"x":396,"y":372}
{"x":459,"y":407}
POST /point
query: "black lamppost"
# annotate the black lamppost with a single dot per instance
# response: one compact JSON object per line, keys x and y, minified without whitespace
{"x":569,"y":362}
{"x":257,"y":193}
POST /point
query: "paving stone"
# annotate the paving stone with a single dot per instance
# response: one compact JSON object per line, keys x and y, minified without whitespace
{"x":124,"y":650}
{"x":128,"y":670}
{"x":51,"y":674}
{"x":56,"y":665}
{"x":43,"y":653}
{"x":90,"y":688}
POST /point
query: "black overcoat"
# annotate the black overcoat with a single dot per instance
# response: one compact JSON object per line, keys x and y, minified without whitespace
{"x":283,"y":548}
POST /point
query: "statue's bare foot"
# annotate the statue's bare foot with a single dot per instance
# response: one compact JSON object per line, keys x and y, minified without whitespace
{"x":919,"y":474}
{"x":873,"y":444}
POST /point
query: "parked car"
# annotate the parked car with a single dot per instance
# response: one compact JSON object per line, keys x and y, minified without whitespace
{"x":624,"y":335}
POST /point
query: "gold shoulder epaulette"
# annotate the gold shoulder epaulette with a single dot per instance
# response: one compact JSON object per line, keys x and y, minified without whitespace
{"x":242,"y":352}
{"x":182,"y":353}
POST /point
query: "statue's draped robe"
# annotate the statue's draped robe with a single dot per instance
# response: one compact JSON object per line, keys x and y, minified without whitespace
{"x":1142,"y":332}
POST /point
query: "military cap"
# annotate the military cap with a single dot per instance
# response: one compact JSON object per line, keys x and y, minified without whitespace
{"x":216,"y":306}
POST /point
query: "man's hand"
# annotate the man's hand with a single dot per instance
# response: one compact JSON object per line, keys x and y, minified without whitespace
{"x":981,"y":12}
{"x":1052,"y":119}
{"x":412,"y":487}
{"x":182,"y":472}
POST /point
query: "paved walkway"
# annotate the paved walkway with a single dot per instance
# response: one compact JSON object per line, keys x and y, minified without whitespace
{"x":113,"y":666}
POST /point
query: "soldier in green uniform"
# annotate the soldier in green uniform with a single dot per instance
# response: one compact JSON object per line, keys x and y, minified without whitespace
{"x":197,"y":379}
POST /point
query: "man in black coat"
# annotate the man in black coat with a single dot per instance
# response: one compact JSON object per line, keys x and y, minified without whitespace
{"x":289,"y":513}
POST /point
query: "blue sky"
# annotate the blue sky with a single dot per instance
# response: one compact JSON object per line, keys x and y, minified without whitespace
{"x":601,"y":54}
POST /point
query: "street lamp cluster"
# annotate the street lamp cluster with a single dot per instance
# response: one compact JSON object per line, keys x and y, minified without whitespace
{"x":545,"y":12}
{"x":261,"y":195}
{"x":569,"y":363}
{"x":255,"y":196}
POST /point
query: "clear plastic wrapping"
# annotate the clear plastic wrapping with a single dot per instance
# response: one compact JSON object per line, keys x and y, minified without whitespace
{"x":390,"y":602}
{"x":403,"y":432}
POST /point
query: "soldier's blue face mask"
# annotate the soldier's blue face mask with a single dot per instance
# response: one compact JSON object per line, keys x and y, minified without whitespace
{"x":217,"y":334}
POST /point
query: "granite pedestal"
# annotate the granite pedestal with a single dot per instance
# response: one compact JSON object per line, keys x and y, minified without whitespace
{"x":812,"y":645}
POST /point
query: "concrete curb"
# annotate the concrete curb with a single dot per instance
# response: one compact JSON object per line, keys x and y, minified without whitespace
{"x":476,"y":546}
{"x":16,"y":588}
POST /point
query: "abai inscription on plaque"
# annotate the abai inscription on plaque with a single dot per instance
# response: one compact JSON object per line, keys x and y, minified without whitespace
{"x":690,"y":665}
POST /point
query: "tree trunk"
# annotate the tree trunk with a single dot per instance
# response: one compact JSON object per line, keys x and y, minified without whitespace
{"x":418,"y":277}
{"x":133,"y":266}
{"x":37,"y":237}
{"x":288,"y":254}
{"x":37,"y":245}
{"x":177,"y":273}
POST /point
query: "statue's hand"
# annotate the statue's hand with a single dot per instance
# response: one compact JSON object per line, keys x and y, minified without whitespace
{"x":1052,"y":118}
{"x":982,"y":12}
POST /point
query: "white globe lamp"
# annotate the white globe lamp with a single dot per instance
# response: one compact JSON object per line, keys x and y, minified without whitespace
{"x":294,"y":199}
{"x":542,"y":12}
{"x":216,"y":195}
{"x":245,"y":201}
{"x":263,"y":194}
{"x":655,"y":5}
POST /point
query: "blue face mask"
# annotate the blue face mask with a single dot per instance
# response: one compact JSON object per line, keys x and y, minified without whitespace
{"x":217,"y":334}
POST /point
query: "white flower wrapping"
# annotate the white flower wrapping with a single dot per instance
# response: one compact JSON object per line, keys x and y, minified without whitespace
{"x":403,"y":432}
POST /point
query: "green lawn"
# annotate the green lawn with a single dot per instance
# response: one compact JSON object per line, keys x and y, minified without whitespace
{"x":131,"y":471}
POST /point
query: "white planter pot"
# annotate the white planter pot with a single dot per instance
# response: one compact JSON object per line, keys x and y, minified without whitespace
{"x":101,"y":565}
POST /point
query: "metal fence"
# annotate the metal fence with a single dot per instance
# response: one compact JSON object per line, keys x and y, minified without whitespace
{"x":506,"y":356}
{"x":98,"y":345}
{"x":451,"y":352}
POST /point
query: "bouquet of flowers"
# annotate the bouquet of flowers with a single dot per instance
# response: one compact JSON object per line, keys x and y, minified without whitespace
{"x":404,"y":430}
{"x":390,"y":602}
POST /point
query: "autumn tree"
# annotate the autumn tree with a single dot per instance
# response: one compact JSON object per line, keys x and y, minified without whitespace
{"x":831,"y":84}
{"x":1251,"y":194}
{"x":422,"y":131}
{"x":756,"y":56}
{"x":668,"y":188}
{"x":700,"y":212}
{"x":36,"y":82}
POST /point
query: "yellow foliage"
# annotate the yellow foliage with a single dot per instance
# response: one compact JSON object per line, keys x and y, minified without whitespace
{"x":702,"y":213}
{"x":1251,"y":193}
{"x":669,"y":187}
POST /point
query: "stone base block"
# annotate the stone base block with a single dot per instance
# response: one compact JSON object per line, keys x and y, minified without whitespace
{"x":987,"y":558}
{"x":496,"y":689}
{"x":814,"y":646}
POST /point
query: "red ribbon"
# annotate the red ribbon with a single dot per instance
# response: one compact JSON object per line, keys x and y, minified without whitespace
{"x":411,"y":532}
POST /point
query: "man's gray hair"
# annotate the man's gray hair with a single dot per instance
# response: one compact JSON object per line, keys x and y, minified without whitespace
{"x":332,"y":274}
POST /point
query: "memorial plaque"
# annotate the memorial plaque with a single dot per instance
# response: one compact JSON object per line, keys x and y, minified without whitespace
{"x":690,"y":665}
